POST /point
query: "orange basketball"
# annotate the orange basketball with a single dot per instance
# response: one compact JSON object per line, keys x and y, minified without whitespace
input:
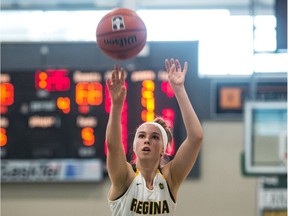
{"x":121,"y":34}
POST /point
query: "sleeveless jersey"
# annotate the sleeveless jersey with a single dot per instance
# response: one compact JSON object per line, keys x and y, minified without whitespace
{"x":139,"y":200}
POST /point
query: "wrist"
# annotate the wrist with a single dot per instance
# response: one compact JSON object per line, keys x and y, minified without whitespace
{"x":178,"y":88}
{"x":117,"y":107}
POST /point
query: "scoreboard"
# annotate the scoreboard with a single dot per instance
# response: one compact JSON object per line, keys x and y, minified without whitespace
{"x":53,"y":120}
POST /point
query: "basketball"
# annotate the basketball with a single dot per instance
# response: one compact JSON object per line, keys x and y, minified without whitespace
{"x":121,"y":34}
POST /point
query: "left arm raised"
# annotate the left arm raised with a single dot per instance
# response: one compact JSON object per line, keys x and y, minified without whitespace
{"x":188,"y":151}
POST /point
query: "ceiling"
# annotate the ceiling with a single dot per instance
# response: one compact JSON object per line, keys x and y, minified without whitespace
{"x":235,"y":6}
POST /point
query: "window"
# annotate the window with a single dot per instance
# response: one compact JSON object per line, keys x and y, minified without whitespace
{"x":226,"y":43}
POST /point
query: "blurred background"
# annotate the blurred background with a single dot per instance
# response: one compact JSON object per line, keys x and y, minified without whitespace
{"x":55,"y":106}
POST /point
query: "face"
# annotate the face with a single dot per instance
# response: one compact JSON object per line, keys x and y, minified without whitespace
{"x":149,"y":143}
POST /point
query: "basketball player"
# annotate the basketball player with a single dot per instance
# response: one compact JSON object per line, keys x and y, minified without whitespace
{"x":149,"y":189}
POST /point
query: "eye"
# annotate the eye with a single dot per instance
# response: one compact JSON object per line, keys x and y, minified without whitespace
{"x":156,"y":137}
{"x":141,"y":136}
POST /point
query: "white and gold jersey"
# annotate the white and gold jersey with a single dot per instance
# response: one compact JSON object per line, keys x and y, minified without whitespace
{"x":139,"y":200}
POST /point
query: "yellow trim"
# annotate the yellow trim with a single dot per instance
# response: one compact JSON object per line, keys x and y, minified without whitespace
{"x":158,"y":171}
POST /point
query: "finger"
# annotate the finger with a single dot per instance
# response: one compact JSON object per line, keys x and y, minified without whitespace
{"x":178,"y":65}
{"x":113,"y":77}
{"x":123,"y":91}
{"x":185,"y":69}
{"x":173,"y":67}
{"x":108,"y":82}
{"x":167,"y":65}
{"x":172,"y":61}
{"x":122,"y":75}
{"x":116,"y":69}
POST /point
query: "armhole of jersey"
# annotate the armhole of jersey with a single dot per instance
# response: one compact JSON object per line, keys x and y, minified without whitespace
{"x":171,"y":195}
{"x":134,"y":167}
{"x":136,"y":172}
{"x":120,"y":196}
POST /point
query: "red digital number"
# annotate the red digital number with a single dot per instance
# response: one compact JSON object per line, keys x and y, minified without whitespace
{"x":167,"y":89}
{"x":52,"y":80}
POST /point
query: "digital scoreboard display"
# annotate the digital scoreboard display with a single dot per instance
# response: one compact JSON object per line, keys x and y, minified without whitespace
{"x":53,"y":121}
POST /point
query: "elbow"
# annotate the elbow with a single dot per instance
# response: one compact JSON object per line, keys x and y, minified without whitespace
{"x":198,"y":137}
{"x":199,"y":140}
{"x":195,"y":139}
{"x":109,"y":145}
{"x":112,"y":147}
{"x":201,"y":135}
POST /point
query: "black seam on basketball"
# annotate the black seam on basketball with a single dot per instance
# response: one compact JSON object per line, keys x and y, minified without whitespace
{"x":116,"y":32}
{"x":121,"y":14}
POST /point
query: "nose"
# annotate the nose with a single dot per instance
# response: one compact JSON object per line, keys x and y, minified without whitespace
{"x":147,"y":141}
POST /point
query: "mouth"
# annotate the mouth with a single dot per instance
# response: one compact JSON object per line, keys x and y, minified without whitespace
{"x":146,"y":149}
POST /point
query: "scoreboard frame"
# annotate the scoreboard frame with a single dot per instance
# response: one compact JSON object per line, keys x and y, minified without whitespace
{"x":42,"y":111}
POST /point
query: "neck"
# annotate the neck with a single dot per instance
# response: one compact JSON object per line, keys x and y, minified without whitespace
{"x":148,"y":172}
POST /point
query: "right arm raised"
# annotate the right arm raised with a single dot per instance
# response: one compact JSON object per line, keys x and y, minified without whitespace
{"x":119,"y":170}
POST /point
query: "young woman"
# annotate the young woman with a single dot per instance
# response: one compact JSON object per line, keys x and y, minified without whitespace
{"x":151,"y":189}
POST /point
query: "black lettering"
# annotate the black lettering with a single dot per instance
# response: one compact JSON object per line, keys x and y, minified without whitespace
{"x":165,"y":207}
{"x":122,"y":41}
{"x":151,"y":208}
{"x":157,"y":207}
{"x":32,"y":171}
{"x":133,"y":205}
{"x":130,"y":40}
{"x":139,"y":207}
{"x":14,"y":172}
{"x":145,"y":207}
{"x":23,"y":172}
{"x":50,"y":172}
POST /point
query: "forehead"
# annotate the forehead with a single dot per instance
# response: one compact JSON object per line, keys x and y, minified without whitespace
{"x":148,"y":128}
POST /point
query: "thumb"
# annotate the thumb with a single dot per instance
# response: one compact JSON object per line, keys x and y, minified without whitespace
{"x":123,"y":91}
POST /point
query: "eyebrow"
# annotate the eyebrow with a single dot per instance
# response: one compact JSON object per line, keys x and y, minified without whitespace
{"x":144,"y":132}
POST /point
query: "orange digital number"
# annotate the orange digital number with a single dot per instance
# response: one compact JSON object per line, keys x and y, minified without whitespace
{"x":63,"y":103}
{"x":88,"y":137}
{"x":7,"y":94}
{"x":89,"y":94}
{"x":3,"y":137}
{"x":148,"y":100}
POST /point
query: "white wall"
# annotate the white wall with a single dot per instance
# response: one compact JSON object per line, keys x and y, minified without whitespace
{"x":220,"y":191}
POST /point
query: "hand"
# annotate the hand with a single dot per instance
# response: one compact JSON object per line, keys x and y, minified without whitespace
{"x":176,"y":76}
{"x":116,"y":86}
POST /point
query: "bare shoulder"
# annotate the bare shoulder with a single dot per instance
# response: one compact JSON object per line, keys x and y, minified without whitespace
{"x":171,"y":180}
{"x":120,"y":186}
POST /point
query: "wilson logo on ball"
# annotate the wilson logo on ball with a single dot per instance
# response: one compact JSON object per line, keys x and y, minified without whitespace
{"x":118,"y":23}
{"x":130,"y":40}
